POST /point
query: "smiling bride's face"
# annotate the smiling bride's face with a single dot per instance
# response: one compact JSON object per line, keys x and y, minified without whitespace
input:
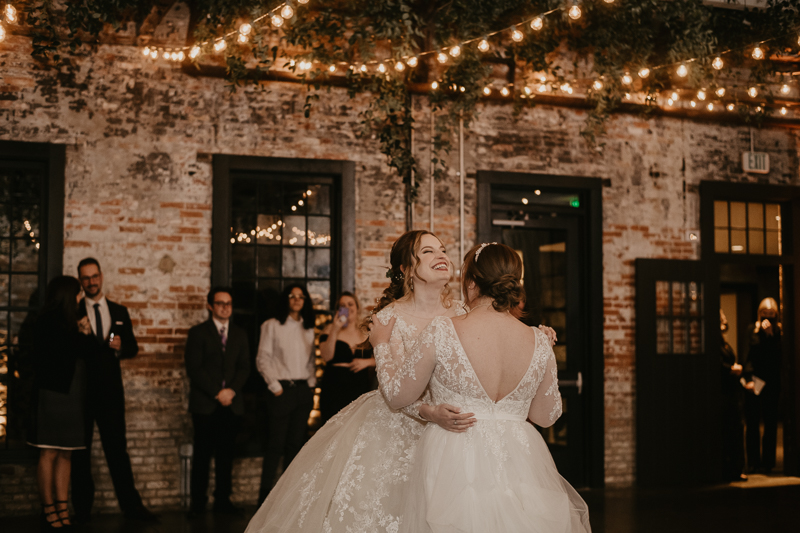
{"x":434,"y":265}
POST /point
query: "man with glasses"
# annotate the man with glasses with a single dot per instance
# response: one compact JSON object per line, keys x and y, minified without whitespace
{"x":105,"y":399}
{"x":217,"y":363}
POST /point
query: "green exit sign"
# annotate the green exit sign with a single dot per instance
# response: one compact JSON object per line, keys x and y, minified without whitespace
{"x":756,"y":162}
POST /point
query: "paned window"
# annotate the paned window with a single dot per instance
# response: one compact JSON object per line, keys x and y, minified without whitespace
{"x":747,"y":228}
{"x":679,"y":317}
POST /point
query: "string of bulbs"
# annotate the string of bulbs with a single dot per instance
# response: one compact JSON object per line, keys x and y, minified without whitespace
{"x":9,"y":16}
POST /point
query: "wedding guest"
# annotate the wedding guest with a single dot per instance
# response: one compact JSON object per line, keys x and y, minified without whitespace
{"x":61,"y":345}
{"x":732,"y":430}
{"x":105,"y":400}
{"x":763,"y":362}
{"x":347,"y":364}
{"x":218,"y":364}
{"x":285,"y":359}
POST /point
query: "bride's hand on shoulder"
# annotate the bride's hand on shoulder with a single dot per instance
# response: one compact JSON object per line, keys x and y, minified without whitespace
{"x":550,"y":332}
{"x":380,"y":333}
{"x":448,"y":417}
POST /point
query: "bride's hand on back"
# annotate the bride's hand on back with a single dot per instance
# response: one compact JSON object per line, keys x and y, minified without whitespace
{"x":448,"y":417}
{"x":550,"y":332}
{"x":380,"y":333}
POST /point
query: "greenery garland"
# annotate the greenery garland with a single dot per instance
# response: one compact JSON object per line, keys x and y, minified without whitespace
{"x":615,"y":37}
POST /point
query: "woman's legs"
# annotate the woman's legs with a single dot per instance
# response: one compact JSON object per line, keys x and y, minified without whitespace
{"x":63,"y":466}
{"x":46,"y":476}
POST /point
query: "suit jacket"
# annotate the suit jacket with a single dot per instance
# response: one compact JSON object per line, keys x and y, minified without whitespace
{"x":56,"y":349}
{"x":208,"y":366}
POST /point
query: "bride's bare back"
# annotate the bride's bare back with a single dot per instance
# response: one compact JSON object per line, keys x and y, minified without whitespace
{"x":498,"y":346}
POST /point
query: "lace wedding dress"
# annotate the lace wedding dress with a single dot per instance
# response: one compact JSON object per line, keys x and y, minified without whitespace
{"x":352,"y":476}
{"x":499,"y":476}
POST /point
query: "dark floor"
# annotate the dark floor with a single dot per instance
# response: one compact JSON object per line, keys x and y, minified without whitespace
{"x":761,"y":505}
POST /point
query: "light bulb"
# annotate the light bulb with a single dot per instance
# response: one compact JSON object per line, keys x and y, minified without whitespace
{"x":277,"y":21}
{"x":441,"y":58}
{"x":597,"y":85}
{"x":455,"y":51}
{"x":2,"y":33}
{"x":154,"y":54}
{"x":527,"y":90}
{"x":693,"y":103}
{"x":758,"y":53}
{"x":304,"y":2}
{"x":683,"y":71}
{"x":483,"y":46}
{"x":720,"y":92}
{"x":305,"y":65}
{"x":753,"y":92}
{"x":412,"y":62}
{"x":220,"y":45}
{"x":608,"y":1}
{"x":399,"y":66}
{"x":644,"y":72}
{"x":537,"y":24}
{"x":517,"y":36}
{"x":194,"y":52}
{"x":785,"y":89}
{"x":245,"y":29}
{"x":674,"y":96}
{"x":626,"y":79}
{"x":542,"y":88}
{"x":382,"y":68}
{"x":181,"y":56}
{"x":332,"y":69}
{"x":435,"y":85}
{"x":783,"y":111}
{"x":242,"y":38}
{"x":504,"y":91}
{"x":717,"y":63}
{"x":287,"y":12}
{"x":670,"y":101}
{"x":759,"y":109}
{"x":710,"y":106}
{"x":730,"y":107}
{"x":701,"y":94}
{"x":11,"y":13}
{"x":487,"y":91}
{"x":363,"y":68}
{"x":462,"y":89}
{"x":146,"y":51}
{"x":165,"y":55}
{"x":575,"y":12}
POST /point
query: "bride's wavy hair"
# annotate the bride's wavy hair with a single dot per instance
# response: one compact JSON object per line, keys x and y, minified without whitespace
{"x":404,"y":262}
{"x":497,"y":273}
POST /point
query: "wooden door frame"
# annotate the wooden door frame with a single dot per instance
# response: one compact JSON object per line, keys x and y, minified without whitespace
{"x":591,"y":189}
{"x":788,"y":196}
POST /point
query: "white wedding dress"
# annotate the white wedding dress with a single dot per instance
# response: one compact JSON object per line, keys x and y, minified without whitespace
{"x":352,"y":476}
{"x":498,"y":476}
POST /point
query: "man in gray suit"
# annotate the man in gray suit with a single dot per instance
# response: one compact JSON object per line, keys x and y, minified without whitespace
{"x":217,"y":363}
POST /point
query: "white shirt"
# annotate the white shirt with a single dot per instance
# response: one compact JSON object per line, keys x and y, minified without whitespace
{"x":286,"y":352}
{"x":221,"y":325}
{"x":105,"y":315}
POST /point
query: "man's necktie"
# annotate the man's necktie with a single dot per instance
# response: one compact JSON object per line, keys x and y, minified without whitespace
{"x":224,"y":337}
{"x":98,"y":323}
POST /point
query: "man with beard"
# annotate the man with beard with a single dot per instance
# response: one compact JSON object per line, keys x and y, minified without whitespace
{"x":105,"y":400}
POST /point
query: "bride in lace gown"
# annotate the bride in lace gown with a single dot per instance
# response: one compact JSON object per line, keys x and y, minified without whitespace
{"x":499,"y":476}
{"x":352,"y":475}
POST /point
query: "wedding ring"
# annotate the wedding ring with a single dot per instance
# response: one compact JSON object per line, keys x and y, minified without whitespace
{"x":455,"y":422}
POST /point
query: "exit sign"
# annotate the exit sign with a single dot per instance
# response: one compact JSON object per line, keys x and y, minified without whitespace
{"x":756,"y":162}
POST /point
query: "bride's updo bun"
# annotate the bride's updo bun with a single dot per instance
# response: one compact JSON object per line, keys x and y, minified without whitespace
{"x":496,"y":270}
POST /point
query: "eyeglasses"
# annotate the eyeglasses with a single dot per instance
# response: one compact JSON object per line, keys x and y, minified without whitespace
{"x":296,"y":297}
{"x":95,"y":277}
{"x":224,"y":304}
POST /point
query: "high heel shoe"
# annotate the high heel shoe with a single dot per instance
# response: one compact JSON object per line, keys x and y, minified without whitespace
{"x":66,"y":523}
{"x":48,"y":524}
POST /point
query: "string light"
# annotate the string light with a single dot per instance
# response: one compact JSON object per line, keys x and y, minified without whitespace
{"x":441,"y":58}
{"x":483,"y":46}
{"x":194,"y":52}
{"x":154,"y":54}
{"x":608,"y":1}
{"x":504,"y":91}
{"x":242,"y":38}
{"x":542,"y":88}
{"x":783,"y":111}
{"x":245,"y":29}
{"x":758,"y":53}
{"x":287,"y":12}
{"x":693,"y":103}
{"x":487,"y":91}
{"x":11,"y":14}
{"x":753,"y":92}
{"x":683,"y":71}
{"x":382,"y":68}
{"x":597,"y":85}
{"x":645,"y":72}
{"x":627,"y":96}
{"x":332,"y":69}
{"x":626,"y":79}
{"x":710,"y":106}
{"x":434,"y":85}
{"x":412,"y":62}
{"x":567,"y":88}
{"x":674,"y":96}
{"x":455,"y":51}
{"x":759,"y":109}
{"x":181,"y":56}
{"x":717,"y":63}
{"x":670,"y":101}
{"x":220,"y":45}
{"x":785,"y":89}
{"x":730,"y":107}
{"x":527,"y":90}
{"x":517,"y":36}
{"x":399,"y":66}
{"x":701,"y":94}
{"x":363,"y":68}
{"x":721,"y":92}
{"x":575,"y":11}
{"x":277,"y":21}
{"x":537,"y":24}
{"x":146,"y":51}
{"x":304,"y":2}
{"x":166,"y":55}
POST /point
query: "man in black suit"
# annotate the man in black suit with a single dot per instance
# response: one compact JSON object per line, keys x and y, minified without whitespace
{"x":105,"y":399}
{"x":218,"y":364}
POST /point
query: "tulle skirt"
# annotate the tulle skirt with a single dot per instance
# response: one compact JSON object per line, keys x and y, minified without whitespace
{"x":499,"y":476}
{"x":351,"y":477}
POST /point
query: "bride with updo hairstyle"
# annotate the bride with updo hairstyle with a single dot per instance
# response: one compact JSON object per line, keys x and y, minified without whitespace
{"x":499,"y":475}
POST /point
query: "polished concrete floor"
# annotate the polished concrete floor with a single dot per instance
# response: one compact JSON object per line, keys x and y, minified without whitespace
{"x":768,"y":504}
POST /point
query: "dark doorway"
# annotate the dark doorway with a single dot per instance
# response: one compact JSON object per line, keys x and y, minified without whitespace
{"x":550,"y":228}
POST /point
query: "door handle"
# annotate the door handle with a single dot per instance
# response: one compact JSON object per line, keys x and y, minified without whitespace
{"x":573,"y":383}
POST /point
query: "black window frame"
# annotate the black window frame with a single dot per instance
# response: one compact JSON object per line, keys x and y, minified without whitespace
{"x":51,"y":234}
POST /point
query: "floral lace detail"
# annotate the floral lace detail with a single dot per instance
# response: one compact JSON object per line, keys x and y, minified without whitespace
{"x":553,"y":390}
{"x":307,"y":493}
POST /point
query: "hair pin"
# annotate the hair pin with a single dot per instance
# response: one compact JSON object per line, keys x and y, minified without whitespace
{"x":479,"y":250}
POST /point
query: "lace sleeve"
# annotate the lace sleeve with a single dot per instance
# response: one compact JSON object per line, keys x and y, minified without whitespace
{"x":546,"y":405}
{"x":403,"y":374}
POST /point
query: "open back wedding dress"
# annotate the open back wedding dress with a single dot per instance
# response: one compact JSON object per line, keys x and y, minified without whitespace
{"x":499,"y":476}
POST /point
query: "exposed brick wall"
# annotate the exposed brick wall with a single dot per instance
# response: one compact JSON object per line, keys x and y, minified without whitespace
{"x":138,"y":197}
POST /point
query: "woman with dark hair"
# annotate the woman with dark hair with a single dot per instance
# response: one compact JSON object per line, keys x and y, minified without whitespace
{"x":61,"y":345}
{"x":500,"y":475}
{"x":346,"y":359}
{"x":285,"y":359}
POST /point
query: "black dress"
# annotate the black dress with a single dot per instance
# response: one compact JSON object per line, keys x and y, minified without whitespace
{"x":763,"y":361}
{"x":732,"y":429}
{"x":340,"y":386}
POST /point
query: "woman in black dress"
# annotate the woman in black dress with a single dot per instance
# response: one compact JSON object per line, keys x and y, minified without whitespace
{"x":346,"y":365}
{"x":61,"y":345}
